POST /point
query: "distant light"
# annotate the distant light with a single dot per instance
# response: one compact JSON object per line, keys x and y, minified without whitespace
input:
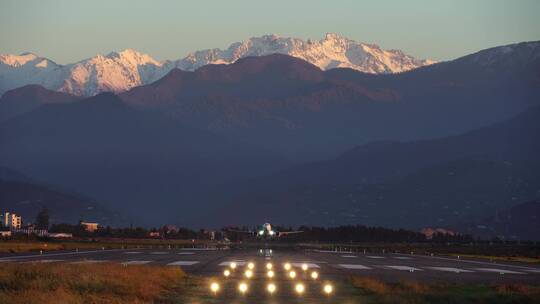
{"x":271,"y":288}
{"x":248,"y":274}
{"x":292,"y":274}
{"x":328,"y":289}
{"x":269,"y":266}
{"x":300,"y":288}
{"x":226,"y":273}
{"x":251,"y":265}
{"x":304,"y":267}
{"x":287,"y":266}
{"x":214,"y":287}
{"x":243,"y":287}
{"x":314,"y":275}
{"x":233,"y":265}
{"x":270,"y":274}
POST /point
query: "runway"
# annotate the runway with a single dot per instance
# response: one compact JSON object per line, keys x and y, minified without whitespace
{"x":334,"y":264}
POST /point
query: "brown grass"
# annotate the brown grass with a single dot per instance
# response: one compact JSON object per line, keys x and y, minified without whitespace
{"x":86,"y":283}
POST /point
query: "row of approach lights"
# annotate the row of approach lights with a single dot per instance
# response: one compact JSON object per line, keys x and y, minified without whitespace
{"x":271,"y":287}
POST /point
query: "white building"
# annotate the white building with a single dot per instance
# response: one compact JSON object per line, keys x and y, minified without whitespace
{"x":12,"y":220}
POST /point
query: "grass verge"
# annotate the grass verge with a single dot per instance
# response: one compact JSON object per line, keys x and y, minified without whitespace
{"x":376,"y":291}
{"x":88,"y":283}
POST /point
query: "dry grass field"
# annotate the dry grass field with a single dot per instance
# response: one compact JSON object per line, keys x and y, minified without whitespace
{"x":376,"y":291}
{"x":88,"y":283}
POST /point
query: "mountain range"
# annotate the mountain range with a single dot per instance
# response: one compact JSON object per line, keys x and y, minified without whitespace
{"x":121,"y":71}
{"x":227,"y":143}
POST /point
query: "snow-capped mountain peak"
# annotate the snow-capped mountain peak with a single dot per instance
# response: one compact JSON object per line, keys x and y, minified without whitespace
{"x":330,"y":52}
{"x":122,"y":70}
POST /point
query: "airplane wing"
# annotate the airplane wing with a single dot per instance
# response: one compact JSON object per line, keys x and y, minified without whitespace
{"x":284,"y":233}
{"x":239,"y":231}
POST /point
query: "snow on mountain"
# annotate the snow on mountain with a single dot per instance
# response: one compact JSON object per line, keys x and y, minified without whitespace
{"x":115,"y":72}
{"x":331,"y":52}
{"x":121,"y":71}
{"x":27,"y":68}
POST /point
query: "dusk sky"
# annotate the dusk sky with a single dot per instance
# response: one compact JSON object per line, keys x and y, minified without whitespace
{"x":67,"y":31}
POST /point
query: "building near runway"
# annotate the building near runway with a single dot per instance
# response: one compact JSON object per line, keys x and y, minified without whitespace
{"x":89,"y":226}
{"x":11,"y":220}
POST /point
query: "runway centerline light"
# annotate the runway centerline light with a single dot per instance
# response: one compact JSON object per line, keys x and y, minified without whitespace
{"x":299,"y":288}
{"x":287,"y":266}
{"x":269,"y":266}
{"x":226,"y":273}
{"x":271,"y":288}
{"x":233,"y":265}
{"x":251,"y":265}
{"x":292,"y":274}
{"x":314,"y":275}
{"x":304,"y":267}
{"x":214,"y":287}
{"x":270,"y":274}
{"x":328,"y":289}
{"x":248,"y":274}
{"x":243,"y":288}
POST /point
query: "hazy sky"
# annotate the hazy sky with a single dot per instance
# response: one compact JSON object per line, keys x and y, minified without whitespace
{"x":68,"y":30}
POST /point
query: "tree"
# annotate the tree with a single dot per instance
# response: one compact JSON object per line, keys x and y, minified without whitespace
{"x":42,"y":219}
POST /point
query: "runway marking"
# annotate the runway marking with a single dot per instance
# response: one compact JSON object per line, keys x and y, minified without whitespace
{"x":132,"y":252}
{"x":310,"y":265}
{"x":332,"y":251}
{"x":58,"y":254}
{"x":199,"y":249}
{"x":158,"y":252}
{"x":450,"y":269}
{"x":42,"y":261}
{"x":349,"y":256}
{"x":402,"y":258}
{"x":136,"y":262}
{"x":89,"y":262}
{"x":238,"y":263}
{"x":532,"y":270}
{"x":354,"y":266}
{"x":186,"y":253}
{"x":501,"y":271}
{"x":470,"y":261}
{"x":183,"y":263}
{"x":7,"y":261}
{"x":375,"y":257}
{"x":404,"y":268}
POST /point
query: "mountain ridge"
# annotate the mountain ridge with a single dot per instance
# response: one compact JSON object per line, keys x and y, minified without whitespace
{"x":120,"y":71}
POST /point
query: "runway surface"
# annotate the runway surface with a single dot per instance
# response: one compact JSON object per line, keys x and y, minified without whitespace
{"x":332,"y":267}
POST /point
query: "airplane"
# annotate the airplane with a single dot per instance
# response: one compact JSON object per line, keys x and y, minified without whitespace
{"x":266,"y":231}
